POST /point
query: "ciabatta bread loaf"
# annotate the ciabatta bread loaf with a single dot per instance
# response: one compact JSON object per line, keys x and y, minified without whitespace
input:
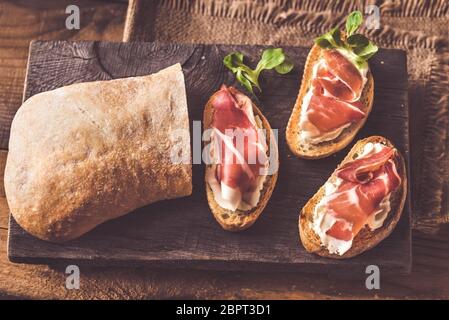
{"x":90,"y":152}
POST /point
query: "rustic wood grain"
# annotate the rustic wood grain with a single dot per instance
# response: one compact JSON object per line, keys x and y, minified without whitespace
{"x":22,"y":21}
{"x":164,"y":235}
{"x":136,"y":21}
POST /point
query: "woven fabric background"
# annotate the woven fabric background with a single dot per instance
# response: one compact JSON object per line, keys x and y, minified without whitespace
{"x":419,"y":27}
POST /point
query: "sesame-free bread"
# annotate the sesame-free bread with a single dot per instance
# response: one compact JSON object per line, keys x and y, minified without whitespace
{"x":326,"y":148}
{"x":365,"y":239}
{"x":240,"y":220}
{"x":90,"y":152}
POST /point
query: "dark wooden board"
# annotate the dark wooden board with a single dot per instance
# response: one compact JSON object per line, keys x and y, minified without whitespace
{"x":183,"y":233}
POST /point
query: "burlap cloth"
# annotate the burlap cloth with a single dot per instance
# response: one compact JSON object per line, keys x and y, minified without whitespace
{"x":420,"y":27}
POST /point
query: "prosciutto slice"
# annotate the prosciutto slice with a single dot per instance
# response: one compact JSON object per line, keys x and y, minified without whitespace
{"x":362,"y":170}
{"x":335,"y":95}
{"x":345,"y":73}
{"x":352,"y":203}
{"x":239,"y":145}
{"x":332,"y":84}
{"x":328,"y":113}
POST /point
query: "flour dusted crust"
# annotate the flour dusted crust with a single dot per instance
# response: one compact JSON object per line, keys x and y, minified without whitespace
{"x":365,"y":239}
{"x":324,"y":149}
{"x":240,"y":220}
{"x":90,"y":152}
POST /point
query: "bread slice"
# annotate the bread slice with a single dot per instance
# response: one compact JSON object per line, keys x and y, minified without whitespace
{"x":365,"y":239}
{"x":240,"y":220}
{"x":326,"y":148}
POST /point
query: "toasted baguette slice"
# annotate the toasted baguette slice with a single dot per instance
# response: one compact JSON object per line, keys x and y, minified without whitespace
{"x":365,"y":239}
{"x":240,"y":220}
{"x":324,"y":149}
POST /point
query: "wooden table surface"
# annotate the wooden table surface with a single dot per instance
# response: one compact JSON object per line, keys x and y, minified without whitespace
{"x":21,"y":22}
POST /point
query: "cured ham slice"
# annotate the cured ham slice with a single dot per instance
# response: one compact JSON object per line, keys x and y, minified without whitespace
{"x":328,"y":113}
{"x":333,"y":101}
{"x":352,"y":203}
{"x":361,"y":170}
{"x":343,"y":72}
{"x":228,"y":113}
{"x":332,"y":85}
{"x":239,"y":145}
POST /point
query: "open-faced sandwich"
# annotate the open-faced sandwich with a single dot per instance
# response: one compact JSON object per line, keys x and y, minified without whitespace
{"x":359,"y":205}
{"x":336,"y":93}
{"x":243,"y":159}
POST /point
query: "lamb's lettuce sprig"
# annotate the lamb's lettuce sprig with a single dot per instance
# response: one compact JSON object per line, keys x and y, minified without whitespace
{"x":272,"y":58}
{"x":360,"y":46}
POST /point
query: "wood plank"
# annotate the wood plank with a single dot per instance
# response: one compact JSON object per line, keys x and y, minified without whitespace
{"x":163,"y":235}
{"x":22,"y":21}
{"x":140,"y":21}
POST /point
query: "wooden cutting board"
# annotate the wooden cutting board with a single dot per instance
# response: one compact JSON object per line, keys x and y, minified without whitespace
{"x":183,"y":233}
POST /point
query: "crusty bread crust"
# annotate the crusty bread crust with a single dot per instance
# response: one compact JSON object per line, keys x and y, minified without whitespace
{"x":324,"y":149}
{"x":90,"y":152}
{"x":365,"y":239}
{"x":240,"y":220}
